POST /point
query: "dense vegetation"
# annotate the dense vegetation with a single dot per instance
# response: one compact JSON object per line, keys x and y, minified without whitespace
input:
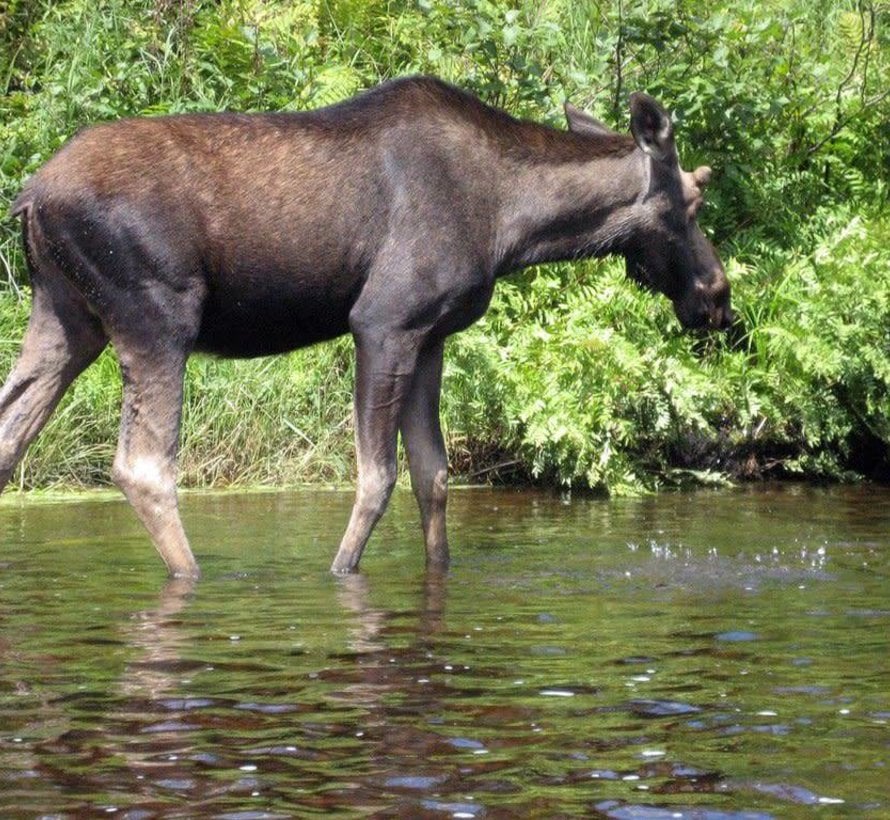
{"x":574,"y":376}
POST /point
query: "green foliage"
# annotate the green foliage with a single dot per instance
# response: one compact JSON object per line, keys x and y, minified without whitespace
{"x":589,"y":381}
{"x":574,"y":376}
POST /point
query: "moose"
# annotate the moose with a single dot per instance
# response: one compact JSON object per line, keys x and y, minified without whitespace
{"x":390,"y":216}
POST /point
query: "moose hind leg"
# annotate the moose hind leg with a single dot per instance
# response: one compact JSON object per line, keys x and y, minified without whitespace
{"x":145,"y":463}
{"x":427,"y":457}
{"x":62,"y":339}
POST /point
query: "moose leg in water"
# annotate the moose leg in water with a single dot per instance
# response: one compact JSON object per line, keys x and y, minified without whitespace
{"x":145,"y":463}
{"x":63,"y":337}
{"x":384,"y":370}
{"x":425,"y":446}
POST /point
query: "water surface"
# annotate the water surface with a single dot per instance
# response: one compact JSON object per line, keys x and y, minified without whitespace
{"x":706,"y":655}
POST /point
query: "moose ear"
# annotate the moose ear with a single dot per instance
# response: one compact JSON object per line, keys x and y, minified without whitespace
{"x":701,"y":176}
{"x":652,"y":127}
{"x":582,"y":123}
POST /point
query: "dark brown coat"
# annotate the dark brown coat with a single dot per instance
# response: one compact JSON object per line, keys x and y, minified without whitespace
{"x":390,"y":215}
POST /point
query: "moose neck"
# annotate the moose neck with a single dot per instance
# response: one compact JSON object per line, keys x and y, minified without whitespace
{"x":555,"y":209}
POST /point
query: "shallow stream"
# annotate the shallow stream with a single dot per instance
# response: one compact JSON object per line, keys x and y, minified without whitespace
{"x":717,"y":654}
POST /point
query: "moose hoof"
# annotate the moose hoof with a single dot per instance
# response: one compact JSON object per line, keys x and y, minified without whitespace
{"x":343,"y":569}
{"x":192,"y":573}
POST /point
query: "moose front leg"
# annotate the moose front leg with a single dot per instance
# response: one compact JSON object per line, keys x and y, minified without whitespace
{"x":427,"y":457}
{"x":384,"y":372}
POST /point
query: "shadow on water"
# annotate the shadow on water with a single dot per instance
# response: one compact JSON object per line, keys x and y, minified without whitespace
{"x":716,"y":655}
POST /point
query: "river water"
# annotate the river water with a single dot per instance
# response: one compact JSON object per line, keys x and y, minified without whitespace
{"x":717,"y":654}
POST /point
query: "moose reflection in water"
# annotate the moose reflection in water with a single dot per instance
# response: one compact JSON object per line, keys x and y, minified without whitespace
{"x":172,"y":746}
{"x":389,"y":216}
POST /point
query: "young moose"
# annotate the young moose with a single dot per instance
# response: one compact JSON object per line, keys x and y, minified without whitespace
{"x":389,"y":216}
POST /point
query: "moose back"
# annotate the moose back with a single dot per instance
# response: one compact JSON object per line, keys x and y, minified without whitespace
{"x":389,"y":216}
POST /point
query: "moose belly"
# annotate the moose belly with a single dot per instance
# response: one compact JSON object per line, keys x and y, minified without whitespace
{"x":269,"y":318}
